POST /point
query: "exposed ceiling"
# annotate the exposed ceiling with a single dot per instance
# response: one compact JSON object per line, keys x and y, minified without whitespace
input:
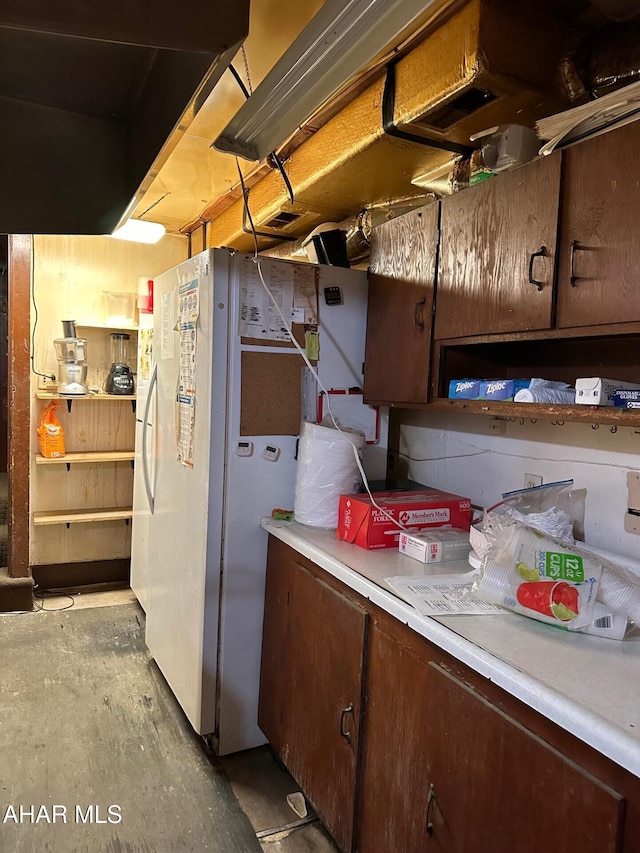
{"x":90,"y":96}
{"x":91,"y":99}
{"x":199,"y":184}
{"x":196,"y":174}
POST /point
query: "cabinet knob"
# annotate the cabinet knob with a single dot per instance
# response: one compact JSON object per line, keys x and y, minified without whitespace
{"x":345,"y":734}
{"x":418,"y":314}
{"x":541,"y":253}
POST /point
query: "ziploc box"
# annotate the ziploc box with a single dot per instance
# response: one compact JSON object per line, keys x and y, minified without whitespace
{"x":596,"y":391}
{"x":435,"y":546}
{"x":501,"y":389}
{"x":360,"y":523}
{"x":464,"y":389}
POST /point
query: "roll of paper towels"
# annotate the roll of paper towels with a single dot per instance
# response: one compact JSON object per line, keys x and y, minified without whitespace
{"x":327,"y":468}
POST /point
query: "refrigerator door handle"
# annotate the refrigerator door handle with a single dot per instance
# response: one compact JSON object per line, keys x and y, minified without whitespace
{"x":145,"y":422}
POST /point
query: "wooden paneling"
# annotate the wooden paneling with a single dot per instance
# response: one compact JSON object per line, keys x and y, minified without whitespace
{"x":400,"y":307}
{"x":20,"y":261}
{"x":600,"y":203}
{"x":489,"y":233}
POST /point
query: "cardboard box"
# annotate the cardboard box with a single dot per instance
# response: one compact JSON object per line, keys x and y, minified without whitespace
{"x":464,"y":389}
{"x":624,"y":397}
{"x":435,"y":546}
{"x":501,"y":389}
{"x":362,"y":524}
{"x":596,"y":391}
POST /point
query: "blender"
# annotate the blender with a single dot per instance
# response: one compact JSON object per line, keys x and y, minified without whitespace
{"x":71,"y":353}
{"x":120,"y":378}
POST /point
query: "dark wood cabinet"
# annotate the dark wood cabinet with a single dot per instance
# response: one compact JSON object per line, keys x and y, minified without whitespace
{"x":394,"y":791}
{"x":412,"y":750}
{"x":599,"y":260}
{"x":497,"y":253}
{"x":400,"y":307}
{"x":311,"y":684}
{"x":497,"y":788}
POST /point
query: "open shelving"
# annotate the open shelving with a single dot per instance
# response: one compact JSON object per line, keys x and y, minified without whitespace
{"x":75,"y":516}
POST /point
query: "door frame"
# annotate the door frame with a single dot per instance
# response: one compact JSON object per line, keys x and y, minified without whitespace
{"x":19,"y":401}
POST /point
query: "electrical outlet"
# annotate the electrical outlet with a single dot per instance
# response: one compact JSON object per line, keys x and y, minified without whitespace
{"x":47,"y":383}
{"x":497,"y":426}
{"x":531,"y":480}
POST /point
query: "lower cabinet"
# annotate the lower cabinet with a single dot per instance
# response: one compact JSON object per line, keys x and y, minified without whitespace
{"x":400,"y":747}
{"x":311,"y":685}
{"x":460,"y":775}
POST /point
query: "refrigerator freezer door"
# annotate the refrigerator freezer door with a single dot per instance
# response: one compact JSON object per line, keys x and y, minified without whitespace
{"x":186,"y":526}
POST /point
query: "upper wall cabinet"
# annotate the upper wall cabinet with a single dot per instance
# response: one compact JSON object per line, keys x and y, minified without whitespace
{"x":599,"y":257}
{"x":497,"y":253}
{"x":400,"y":308}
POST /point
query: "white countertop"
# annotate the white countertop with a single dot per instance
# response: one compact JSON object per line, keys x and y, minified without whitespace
{"x":587,"y":685}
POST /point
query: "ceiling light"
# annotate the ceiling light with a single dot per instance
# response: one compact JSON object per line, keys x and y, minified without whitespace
{"x":139,"y":231}
{"x":341,"y":40}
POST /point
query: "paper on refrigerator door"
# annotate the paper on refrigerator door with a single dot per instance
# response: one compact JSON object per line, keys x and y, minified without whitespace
{"x":258,"y":317}
{"x":189,"y":309}
{"x":439,"y":595}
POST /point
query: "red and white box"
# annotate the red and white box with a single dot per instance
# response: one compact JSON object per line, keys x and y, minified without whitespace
{"x":360,"y":523}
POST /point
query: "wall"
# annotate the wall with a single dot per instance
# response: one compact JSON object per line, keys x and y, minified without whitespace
{"x":458,"y":453}
{"x":70,"y":277}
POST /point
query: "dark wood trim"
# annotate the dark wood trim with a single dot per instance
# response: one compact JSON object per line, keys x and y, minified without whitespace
{"x":82,"y":576}
{"x":545,"y":334}
{"x":20,"y":259}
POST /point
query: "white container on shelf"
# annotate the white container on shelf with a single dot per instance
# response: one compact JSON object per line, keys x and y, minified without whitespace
{"x":120,"y":307}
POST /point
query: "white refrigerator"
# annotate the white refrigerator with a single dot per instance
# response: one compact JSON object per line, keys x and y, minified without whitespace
{"x":202,"y":483}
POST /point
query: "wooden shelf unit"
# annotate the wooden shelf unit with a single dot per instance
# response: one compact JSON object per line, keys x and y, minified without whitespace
{"x":88,"y":456}
{"x":70,"y":398}
{"x":606,"y":415}
{"x":75,"y":516}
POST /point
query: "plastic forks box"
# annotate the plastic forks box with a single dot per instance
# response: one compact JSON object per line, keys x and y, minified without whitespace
{"x":360,"y":523}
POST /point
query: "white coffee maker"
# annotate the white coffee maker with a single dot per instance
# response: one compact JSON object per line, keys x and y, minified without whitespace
{"x":71,"y":353}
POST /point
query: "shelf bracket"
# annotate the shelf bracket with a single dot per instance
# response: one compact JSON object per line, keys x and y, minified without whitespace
{"x":68,"y":466}
{"x":69,"y":404}
{"x":133,"y":407}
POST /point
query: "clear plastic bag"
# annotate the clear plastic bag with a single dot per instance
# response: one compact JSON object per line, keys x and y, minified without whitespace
{"x":547,"y":508}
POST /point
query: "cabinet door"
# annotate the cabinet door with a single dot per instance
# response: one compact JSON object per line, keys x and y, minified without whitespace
{"x":394,"y":788}
{"x":600,"y":250}
{"x":310,"y":687}
{"x":400,"y":307}
{"x":444,"y":771}
{"x":497,"y":253}
{"x":498,"y":788}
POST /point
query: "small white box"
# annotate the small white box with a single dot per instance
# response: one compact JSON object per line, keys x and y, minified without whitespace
{"x":596,"y":391}
{"x":435,"y":546}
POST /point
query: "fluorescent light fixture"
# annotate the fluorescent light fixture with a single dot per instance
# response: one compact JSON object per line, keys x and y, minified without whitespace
{"x":139,"y":231}
{"x":341,"y":40}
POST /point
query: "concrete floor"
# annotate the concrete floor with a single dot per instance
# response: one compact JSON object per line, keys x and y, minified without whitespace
{"x":259,"y":782}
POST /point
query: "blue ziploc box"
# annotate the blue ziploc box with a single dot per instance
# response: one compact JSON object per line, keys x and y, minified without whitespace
{"x":501,"y":389}
{"x":464,"y":389}
{"x":624,"y":396}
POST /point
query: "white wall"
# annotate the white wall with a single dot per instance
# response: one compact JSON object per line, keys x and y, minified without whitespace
{"x":459,"y":454}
